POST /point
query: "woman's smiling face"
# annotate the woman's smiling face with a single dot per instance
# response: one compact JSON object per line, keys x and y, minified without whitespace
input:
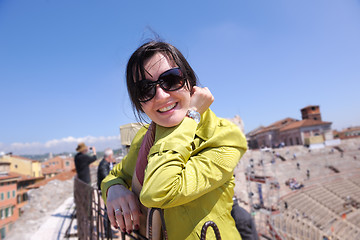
{"x":167,"y":108}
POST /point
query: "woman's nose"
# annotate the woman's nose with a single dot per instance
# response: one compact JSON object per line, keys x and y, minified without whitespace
{"x":161,"y":93}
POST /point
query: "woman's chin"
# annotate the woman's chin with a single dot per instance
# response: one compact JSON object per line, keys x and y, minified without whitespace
{"x":170,"y":122}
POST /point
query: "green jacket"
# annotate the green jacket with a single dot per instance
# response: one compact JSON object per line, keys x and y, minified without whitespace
{"x":189,"y":175}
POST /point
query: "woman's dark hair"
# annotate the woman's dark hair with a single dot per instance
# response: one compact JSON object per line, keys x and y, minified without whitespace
{"x":135,"y":70}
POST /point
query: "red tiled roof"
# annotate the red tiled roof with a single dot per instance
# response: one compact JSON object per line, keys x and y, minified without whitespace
{"x":27,"y":178}
{"x":255,"y":131}
{"x":51,"y":170}
{"x":350,"y":129}
{"x":61,"y":176}
{"x":9,"y":175}
{"x":58,"y":158}
{"x":23,"y":158}
{"x":309,"y":106}
{"x":304,"y":123}
{"x":277,"y":125}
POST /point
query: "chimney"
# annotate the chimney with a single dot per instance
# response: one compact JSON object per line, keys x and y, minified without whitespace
{"x":311,"y":112}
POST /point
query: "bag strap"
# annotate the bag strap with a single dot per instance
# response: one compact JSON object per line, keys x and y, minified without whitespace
{"x":206,"y":226}
{"x":163,"y":227}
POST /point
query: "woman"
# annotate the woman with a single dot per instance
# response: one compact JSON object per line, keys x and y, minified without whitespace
{"x":183,"y":161}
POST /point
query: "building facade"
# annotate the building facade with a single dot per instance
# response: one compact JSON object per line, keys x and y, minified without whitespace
{"x":8,"y":206}
{"x":310,"y":131}
{"x":351,"y":132}
{"x":306,"y":132}
{"x":23,"y":166}
{"x":57,"y":165}
{"x":268,"y":136}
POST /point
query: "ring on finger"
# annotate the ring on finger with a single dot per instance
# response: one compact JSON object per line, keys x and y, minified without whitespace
{"x":116,"y":210}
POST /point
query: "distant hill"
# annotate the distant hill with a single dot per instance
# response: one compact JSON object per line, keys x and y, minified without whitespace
{"x":46,"y":156}
{"x":38,"y":157}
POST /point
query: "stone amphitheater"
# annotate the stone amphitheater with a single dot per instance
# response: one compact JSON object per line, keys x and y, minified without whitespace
{"x":326,"y":207}
{"x":327,"y":203}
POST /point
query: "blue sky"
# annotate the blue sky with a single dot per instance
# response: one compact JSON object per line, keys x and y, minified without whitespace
{"x":62,"y":62}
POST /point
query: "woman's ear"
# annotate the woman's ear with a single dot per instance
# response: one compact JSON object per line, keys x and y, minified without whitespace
{"x":191,"y":91}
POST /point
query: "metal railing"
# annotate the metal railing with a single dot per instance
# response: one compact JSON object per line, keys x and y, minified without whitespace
{"x":89,"y":213}
{"x":91,"y":217}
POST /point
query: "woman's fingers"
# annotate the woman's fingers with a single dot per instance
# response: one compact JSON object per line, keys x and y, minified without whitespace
{"x":123,"y":208}
{"x":126,"y":216}
{"x":135,"y":213}
{"x":111,"y":215}
{"x":120,"y":220}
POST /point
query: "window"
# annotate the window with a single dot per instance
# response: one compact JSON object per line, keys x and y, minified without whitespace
{"x":291,"y":141}
{"x":8,"y":195}
{"x":2,"y":232}
{"x":297,"y":141}
{"x":1,"y":214}
{"x":13,"y":193}
{"x":6,"y":212}
{"x":15,"y":165}
{"x":68,"y":164}
{"x":2,"y":196}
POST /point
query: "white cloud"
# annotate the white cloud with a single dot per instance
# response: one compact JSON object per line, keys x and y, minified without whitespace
{"x":67,"y":144}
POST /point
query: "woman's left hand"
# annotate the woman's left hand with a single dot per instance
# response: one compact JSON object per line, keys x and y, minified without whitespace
{"x":201,"y":99}
{"x":123,"y":208}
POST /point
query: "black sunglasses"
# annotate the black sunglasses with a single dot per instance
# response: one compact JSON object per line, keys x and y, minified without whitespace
{"x":170,"y":80}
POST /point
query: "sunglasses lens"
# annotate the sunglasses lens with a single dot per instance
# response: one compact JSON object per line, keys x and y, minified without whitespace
{"x":172,"y":80}
{"x":146,"y":90}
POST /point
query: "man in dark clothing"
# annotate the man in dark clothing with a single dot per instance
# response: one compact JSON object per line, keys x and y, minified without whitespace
{"x":105,"y":166}
{"x":82,"y":162}
{"x":244,"y":222}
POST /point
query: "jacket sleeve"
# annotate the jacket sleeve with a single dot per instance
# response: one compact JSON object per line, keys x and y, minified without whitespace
{"x":175,"y":176}
{"x":122,"y":172}
{"x":90,"y":159}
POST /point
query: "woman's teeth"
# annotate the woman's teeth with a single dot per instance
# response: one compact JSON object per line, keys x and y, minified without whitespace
{"x":167,"y":108}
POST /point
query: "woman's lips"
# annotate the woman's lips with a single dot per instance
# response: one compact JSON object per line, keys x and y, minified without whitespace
{"x":165,"y":109}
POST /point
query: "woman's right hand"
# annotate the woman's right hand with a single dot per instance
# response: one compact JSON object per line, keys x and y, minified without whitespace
{"x":123,"y":208}
{"x":201,"y":99}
